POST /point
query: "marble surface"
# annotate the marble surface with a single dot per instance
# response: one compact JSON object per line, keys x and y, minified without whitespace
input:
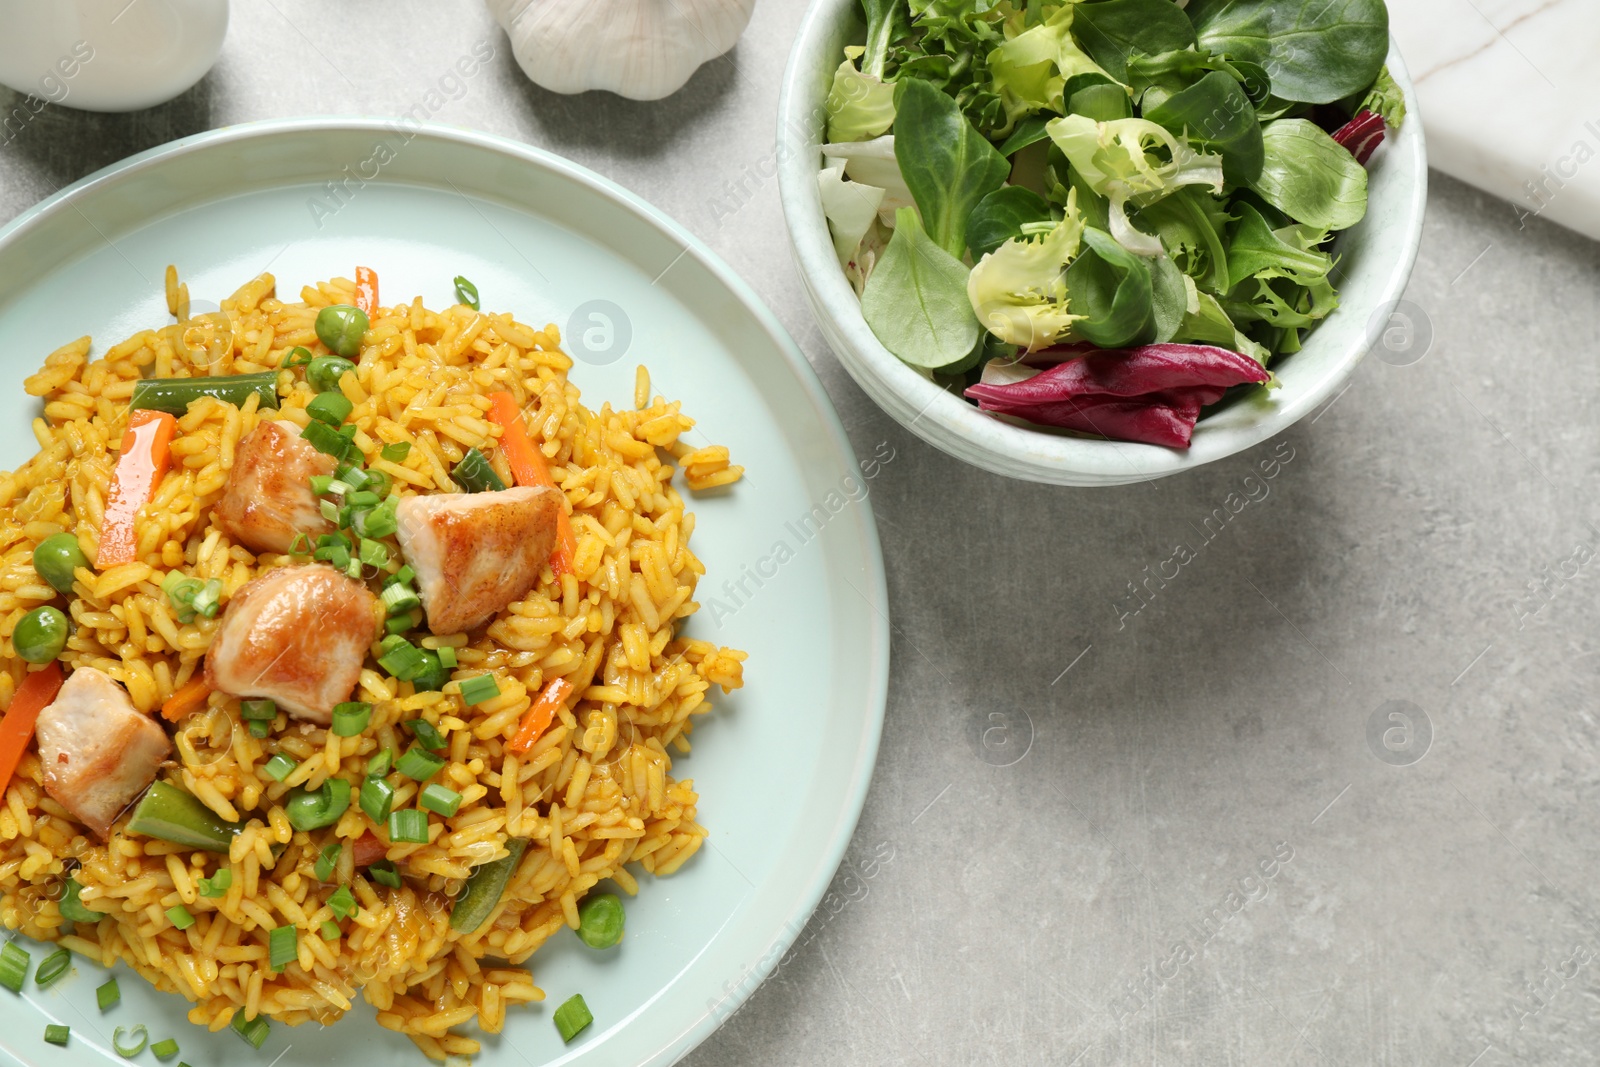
{"x":1510,"y":96}
{"x":1176,"y":829}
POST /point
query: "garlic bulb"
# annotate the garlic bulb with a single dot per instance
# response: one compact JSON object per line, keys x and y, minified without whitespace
{"x":641,"y":49}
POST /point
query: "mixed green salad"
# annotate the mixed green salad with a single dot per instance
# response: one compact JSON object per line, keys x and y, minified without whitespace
{"x":1102,"y":215}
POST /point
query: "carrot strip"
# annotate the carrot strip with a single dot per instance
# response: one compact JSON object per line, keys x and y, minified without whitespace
{"x":145,"y":456}
{"x":16,"y":729}
{"x":190,"y":696}
{"x":367,"y":290}
{"x":528,"y":466}
{"x":539,"y":716}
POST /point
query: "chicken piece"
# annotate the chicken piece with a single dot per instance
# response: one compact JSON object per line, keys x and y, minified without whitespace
{"x":474,"y":553}
{"x":297,"y":635}
{"x":268,"y":499}
{"x":98,"y":751}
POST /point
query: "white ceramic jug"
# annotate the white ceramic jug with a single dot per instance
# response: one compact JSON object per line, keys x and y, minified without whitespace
{"x":108,"y":55}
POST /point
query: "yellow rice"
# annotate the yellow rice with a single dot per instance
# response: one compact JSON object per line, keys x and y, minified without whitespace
{"x":595,"y":796}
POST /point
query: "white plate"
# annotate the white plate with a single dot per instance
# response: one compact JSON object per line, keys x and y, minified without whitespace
{"x":781,"y":766}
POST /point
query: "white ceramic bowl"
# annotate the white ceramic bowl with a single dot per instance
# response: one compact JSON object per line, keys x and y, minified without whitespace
{"x":1376,"y":257}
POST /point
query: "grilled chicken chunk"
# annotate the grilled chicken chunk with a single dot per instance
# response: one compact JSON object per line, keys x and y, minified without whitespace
{"x":98,"y":751}
{"x":297,"y":635}
{"x":268,"y":499}
{"x":474,"y":553}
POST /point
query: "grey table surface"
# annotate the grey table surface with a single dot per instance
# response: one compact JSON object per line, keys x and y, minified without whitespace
{"x":1174,"y":829}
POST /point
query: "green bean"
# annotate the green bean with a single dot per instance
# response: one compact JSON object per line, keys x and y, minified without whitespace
{"x":56,"y":558}
{"x":484,"y":888}
{"x":174,"y":395}
{"x":475,"y":475}
{"x":324,"y":372}
{"x":341,"y":328}
{"x":40,"y":635}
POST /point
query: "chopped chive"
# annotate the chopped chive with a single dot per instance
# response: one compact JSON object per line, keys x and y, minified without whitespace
{"x":342,"y":903}
{"x":378,"y":766}
{"x":258,"y":728}
{"x":384,"y":873}
{"x":398,"y":599}
{"x":441,"y":800}
{"x":377,"y":799}
{"x":327,"y":861}
{"x":179,"y":916}
{"x":54,"y":966}
{"x":280,"y":767}
{"x":375,"y":553}
{"x":14,"y":962}
{"x":466,"y":293}
{"x":419,"y":764}
{"x":56,"y":1034}
{"x":479,"y":688}
{"x":257,"y":709}
{"x":165,"y":1050}
{"x":397,"y":452}
{"x":326,"y":439}
{"x":572,"y":1017}
{"x":320,"y":483}
{"x":254,"y":1030}
{"x":427,"y":733}
{"x":330,"y":407}
{"x":108,"y":996}
{"x":218,"y":884}
{"x":283,"y":947}
{"x":447,"y":656}
{"x":128,"y":1052}
{"x":409,"y":826}
{"x":351,"y":717}
{"x":329,"y":930}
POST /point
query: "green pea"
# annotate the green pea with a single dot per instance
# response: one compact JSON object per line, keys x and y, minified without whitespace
{"x":341,"y":327}
{"x":40,"y":635}
{"x":600,"y":919}
{"x":324,"y":372}
{"x":56,"y":558}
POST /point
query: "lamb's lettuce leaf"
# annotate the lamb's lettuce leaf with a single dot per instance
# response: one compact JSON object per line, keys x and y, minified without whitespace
{"x":947,"y":164}
{"x":1318,"y":51}
{"x":916,"y":300}
{"x":1114,"y":30}
{"x":1001,"y":215}
{"x":1215,"y":114}
{"x":1309,"y":177}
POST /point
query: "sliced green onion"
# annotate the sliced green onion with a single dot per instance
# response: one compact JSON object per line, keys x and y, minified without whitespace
{"x":14,"y":962}
{"x":208,"y":601}
{"x":330,"y":511}
{"x":377,"y":799}
{"x":298,"y":357}
{"x":427,"y":733}
{"x":398,"y":599}
{"x":381,"y":521}
{"x":478,"y":688}
{"x":54,"y":966}
{"x":283,"y":947}
{"x":466,"y":293}
{"x":419,"y":764}
{"x":348,"y":431}
{"x":354,"y":570}
{"x":170,"y":814}
{"x":330,"y":407}
{"x":404,"y":576}
{"x":300,"y":546}
{"x":600,"y":920}
{"x":259,"y":709}
{"x":56,"y":1034}
{"x":258,"y":728}
{"x":280,"y":767}
{"x":336,"y":555}
{"x":484,"y":888}
{"x":174,"y":395}
{"x":447,"y":656}
{"x":572,"y":1018}
{"x":179,"y":916}
{"x":329,"y":930}
{"x":165,"y":1050}
{"x":364,"y":498}
{"x":384,"y":873}
{"x":254,"y":1030}
{"x":72,"y":908}
{"x":400,"y":657}
{"x":342,"y":903}
{"x":350,"y":718}
{"x":378,"y":766}
{"x":374,"y":553}
{"x":441,"y":800}
{"x":431,"y":676}
{"x":321,"y":484}
{"x":353,"y":475}
{"x":108,"y":996}
{"x":409,"y":826}
{"x":402,"y":624}
{"x":379,"y":482}
{"x":335,"y":540}
{"x":475,"y":474}
{"x":128,"y":1052}
{"x":397,"y":452}
{"x":327,"y":861}
{"x":313,"y":810}
{"x":326,"y":439}
{"x":218,"y":884}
